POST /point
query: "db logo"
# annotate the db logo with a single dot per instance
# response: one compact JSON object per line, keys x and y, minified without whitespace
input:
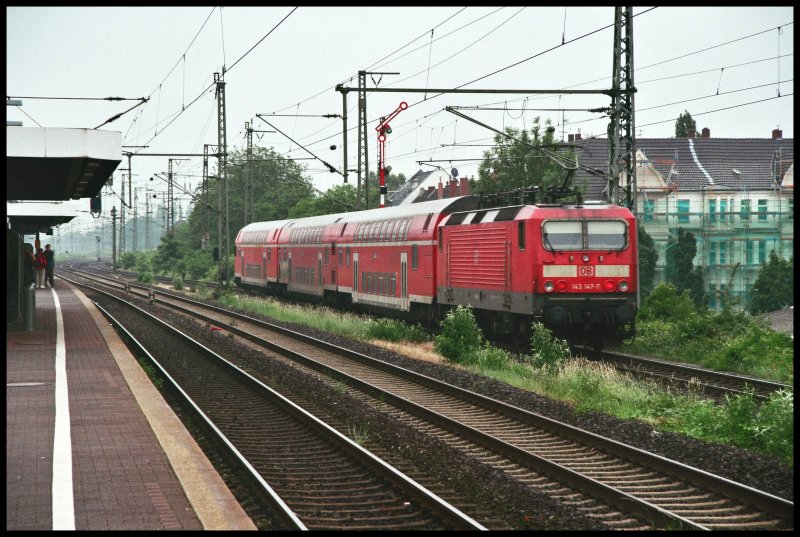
{"x":585,"y":271}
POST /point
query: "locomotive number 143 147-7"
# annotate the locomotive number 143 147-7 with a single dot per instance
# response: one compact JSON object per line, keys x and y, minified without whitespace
{"x":585,"y":286}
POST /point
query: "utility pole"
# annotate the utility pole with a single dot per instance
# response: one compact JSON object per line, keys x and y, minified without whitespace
{"x":249,"y":181}
{"x":363,"y":166}
{"x":171,"y":197}
{"x":135,"y":221}
{"x":147,"y":219}
{"x":222,"y":156}
{"x":113,"y":239}
{"x":621,"y":129}
{"x":122,"y":217}
{"x":206,"y":238}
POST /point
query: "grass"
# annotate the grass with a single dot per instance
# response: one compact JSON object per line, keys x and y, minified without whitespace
{"x":359,"y":434}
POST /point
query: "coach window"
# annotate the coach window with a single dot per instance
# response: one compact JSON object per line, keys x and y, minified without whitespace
{"x":414,"y":257}
{"x":347,"y":256}
{"x":341,"y":256}
{"x":606,"y":234}
{"x":269,"y":254}
{"x":562,"y":235}
{"x":521,"y":235}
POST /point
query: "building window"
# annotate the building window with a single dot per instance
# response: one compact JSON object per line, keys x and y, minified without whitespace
{"x":723,"y":209}
{"x":748,"y":252}
{"x":649,"y":207}
{"x":744,"y":210}
{"x":762,"y":210}
{"x":790,"y":201}
{"x":712,"y":211}
{"x":723,"y":253}
{"x":712,"y":253}
{"x":712,"y":296}
{"x":683,"y":211}
{"x":762,"y":252}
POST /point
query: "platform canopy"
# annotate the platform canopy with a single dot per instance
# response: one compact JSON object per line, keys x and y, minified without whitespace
{"x":55,"y":164}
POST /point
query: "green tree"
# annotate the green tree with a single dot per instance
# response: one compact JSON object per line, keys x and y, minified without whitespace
{"x":683,"y":124}
{"x":680,"y":269}
{"x":339,"y":199}
{"x":647,"y":261}
{"x":774,"y":287}
{"x":169,"y":255}
{"x":516,"y":163}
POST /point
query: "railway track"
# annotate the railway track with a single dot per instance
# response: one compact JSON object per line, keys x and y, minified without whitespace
{"x":312,"y":476}
{"x":619,"y":485}
{"x":718,"y":383}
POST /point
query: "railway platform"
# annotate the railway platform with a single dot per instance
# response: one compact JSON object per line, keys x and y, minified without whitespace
{"x":90,"y":443}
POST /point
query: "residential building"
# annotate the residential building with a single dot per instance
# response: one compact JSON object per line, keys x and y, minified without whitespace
{"x":735,"y":195}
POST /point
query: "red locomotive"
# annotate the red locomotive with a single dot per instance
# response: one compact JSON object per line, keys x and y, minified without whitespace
{"x":571,"y":267}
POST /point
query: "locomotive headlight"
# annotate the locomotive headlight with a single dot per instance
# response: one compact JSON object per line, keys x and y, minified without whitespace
{"x":623,"y":286}
{"x":609,"y":286}
{"x":562,"y":286}
{"x":549,"y":287}
{"x":585,"y":258}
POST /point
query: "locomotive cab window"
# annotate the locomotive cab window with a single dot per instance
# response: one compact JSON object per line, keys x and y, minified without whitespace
{"x":606,"y":235}
{"x":562,"y":235}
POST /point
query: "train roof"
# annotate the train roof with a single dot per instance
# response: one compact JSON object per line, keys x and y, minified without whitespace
{"x":523,"y":212}
{"x":265,"y":226}
{"x":446,"y":205}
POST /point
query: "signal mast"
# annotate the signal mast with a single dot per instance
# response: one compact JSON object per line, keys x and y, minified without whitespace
{"x":383,"y":129}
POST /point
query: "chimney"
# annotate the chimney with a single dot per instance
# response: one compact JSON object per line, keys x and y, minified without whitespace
{"x":706,"y":132}
{"x":453,"y":188}
{"x":577,"y":136}
{"x":690,"y":132}
{"x":440,"y":193}
{"x":777,"y":134}
{"x":570,"y":137}
{"x":464,"y":186}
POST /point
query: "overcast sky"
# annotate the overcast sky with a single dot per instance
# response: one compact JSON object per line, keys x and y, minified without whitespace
{"x":730,"y":67}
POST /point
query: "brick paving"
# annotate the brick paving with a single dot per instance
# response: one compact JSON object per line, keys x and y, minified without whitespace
{"x":122,"y":477}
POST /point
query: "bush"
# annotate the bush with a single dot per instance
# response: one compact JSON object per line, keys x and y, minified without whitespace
{"x":145,"y":277}
{"x":666,"y":304}
{"x":127,"y":260}
{"x":546,"y":351}
{"x":177,"y":284}
{"x":394,"y":330}
{"x":493,"y":358}
{"x":460,"y":336}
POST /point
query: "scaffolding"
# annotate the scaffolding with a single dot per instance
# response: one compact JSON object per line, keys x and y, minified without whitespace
{"x":735,"y":229}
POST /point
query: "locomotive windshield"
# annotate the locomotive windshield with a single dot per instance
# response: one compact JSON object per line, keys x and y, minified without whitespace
{"x":584,"y":234}
{"x":605,"y":235}
{"x":563,"y":235}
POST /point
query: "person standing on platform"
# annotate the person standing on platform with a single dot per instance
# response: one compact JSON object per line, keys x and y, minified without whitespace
{"x":49,"y":255}
{"x":41,"y":264}
{"x":28,"y":263}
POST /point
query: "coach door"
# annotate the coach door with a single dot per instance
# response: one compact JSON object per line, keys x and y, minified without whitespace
{"x":319,"y":273}
{"x":404,"y":281}
{"x":355,"y":276}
